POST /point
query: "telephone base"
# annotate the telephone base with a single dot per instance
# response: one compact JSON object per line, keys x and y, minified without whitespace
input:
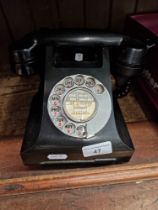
{"x":74,"y":117}
{"x":34,"y":153}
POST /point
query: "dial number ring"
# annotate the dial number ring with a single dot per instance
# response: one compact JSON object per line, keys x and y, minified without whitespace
{"x":81,"y":105}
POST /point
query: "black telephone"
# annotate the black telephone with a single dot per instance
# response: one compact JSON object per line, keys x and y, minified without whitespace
{"x":74,"y":117}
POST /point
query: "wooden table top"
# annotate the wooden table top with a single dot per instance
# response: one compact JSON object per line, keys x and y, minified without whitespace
{"x":17,"y":179}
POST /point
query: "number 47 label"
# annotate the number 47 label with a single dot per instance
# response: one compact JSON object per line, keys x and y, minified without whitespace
{"x":97,"y":149}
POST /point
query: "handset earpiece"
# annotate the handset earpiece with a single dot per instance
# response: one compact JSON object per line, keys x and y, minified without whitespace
{"x":128,"y":64}
{"x":23,"y":56}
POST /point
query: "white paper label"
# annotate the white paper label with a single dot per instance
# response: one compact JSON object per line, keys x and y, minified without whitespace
{"x":97,"y":149}
{"x":57,"y":156}
{"x":78,"y":57}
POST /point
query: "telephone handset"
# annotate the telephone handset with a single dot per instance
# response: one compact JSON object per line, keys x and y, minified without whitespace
{"x":75,"y":118}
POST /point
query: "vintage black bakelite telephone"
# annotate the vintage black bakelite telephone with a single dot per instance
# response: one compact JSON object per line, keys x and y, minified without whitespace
{"x":74,"y":117}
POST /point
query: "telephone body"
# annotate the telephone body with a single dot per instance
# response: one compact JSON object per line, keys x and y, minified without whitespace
{"x":74,"y":117}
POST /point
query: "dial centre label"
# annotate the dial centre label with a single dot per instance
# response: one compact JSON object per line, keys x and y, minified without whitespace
{"x":80,"y":105}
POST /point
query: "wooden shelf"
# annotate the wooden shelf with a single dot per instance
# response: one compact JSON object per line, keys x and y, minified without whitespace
{"x":19,"y":179}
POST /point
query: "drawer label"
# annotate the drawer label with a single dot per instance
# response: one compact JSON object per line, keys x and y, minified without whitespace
{"x":57,"y":156}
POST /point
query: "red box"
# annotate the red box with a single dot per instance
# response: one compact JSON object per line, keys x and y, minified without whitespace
{"x":145,"y":27}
